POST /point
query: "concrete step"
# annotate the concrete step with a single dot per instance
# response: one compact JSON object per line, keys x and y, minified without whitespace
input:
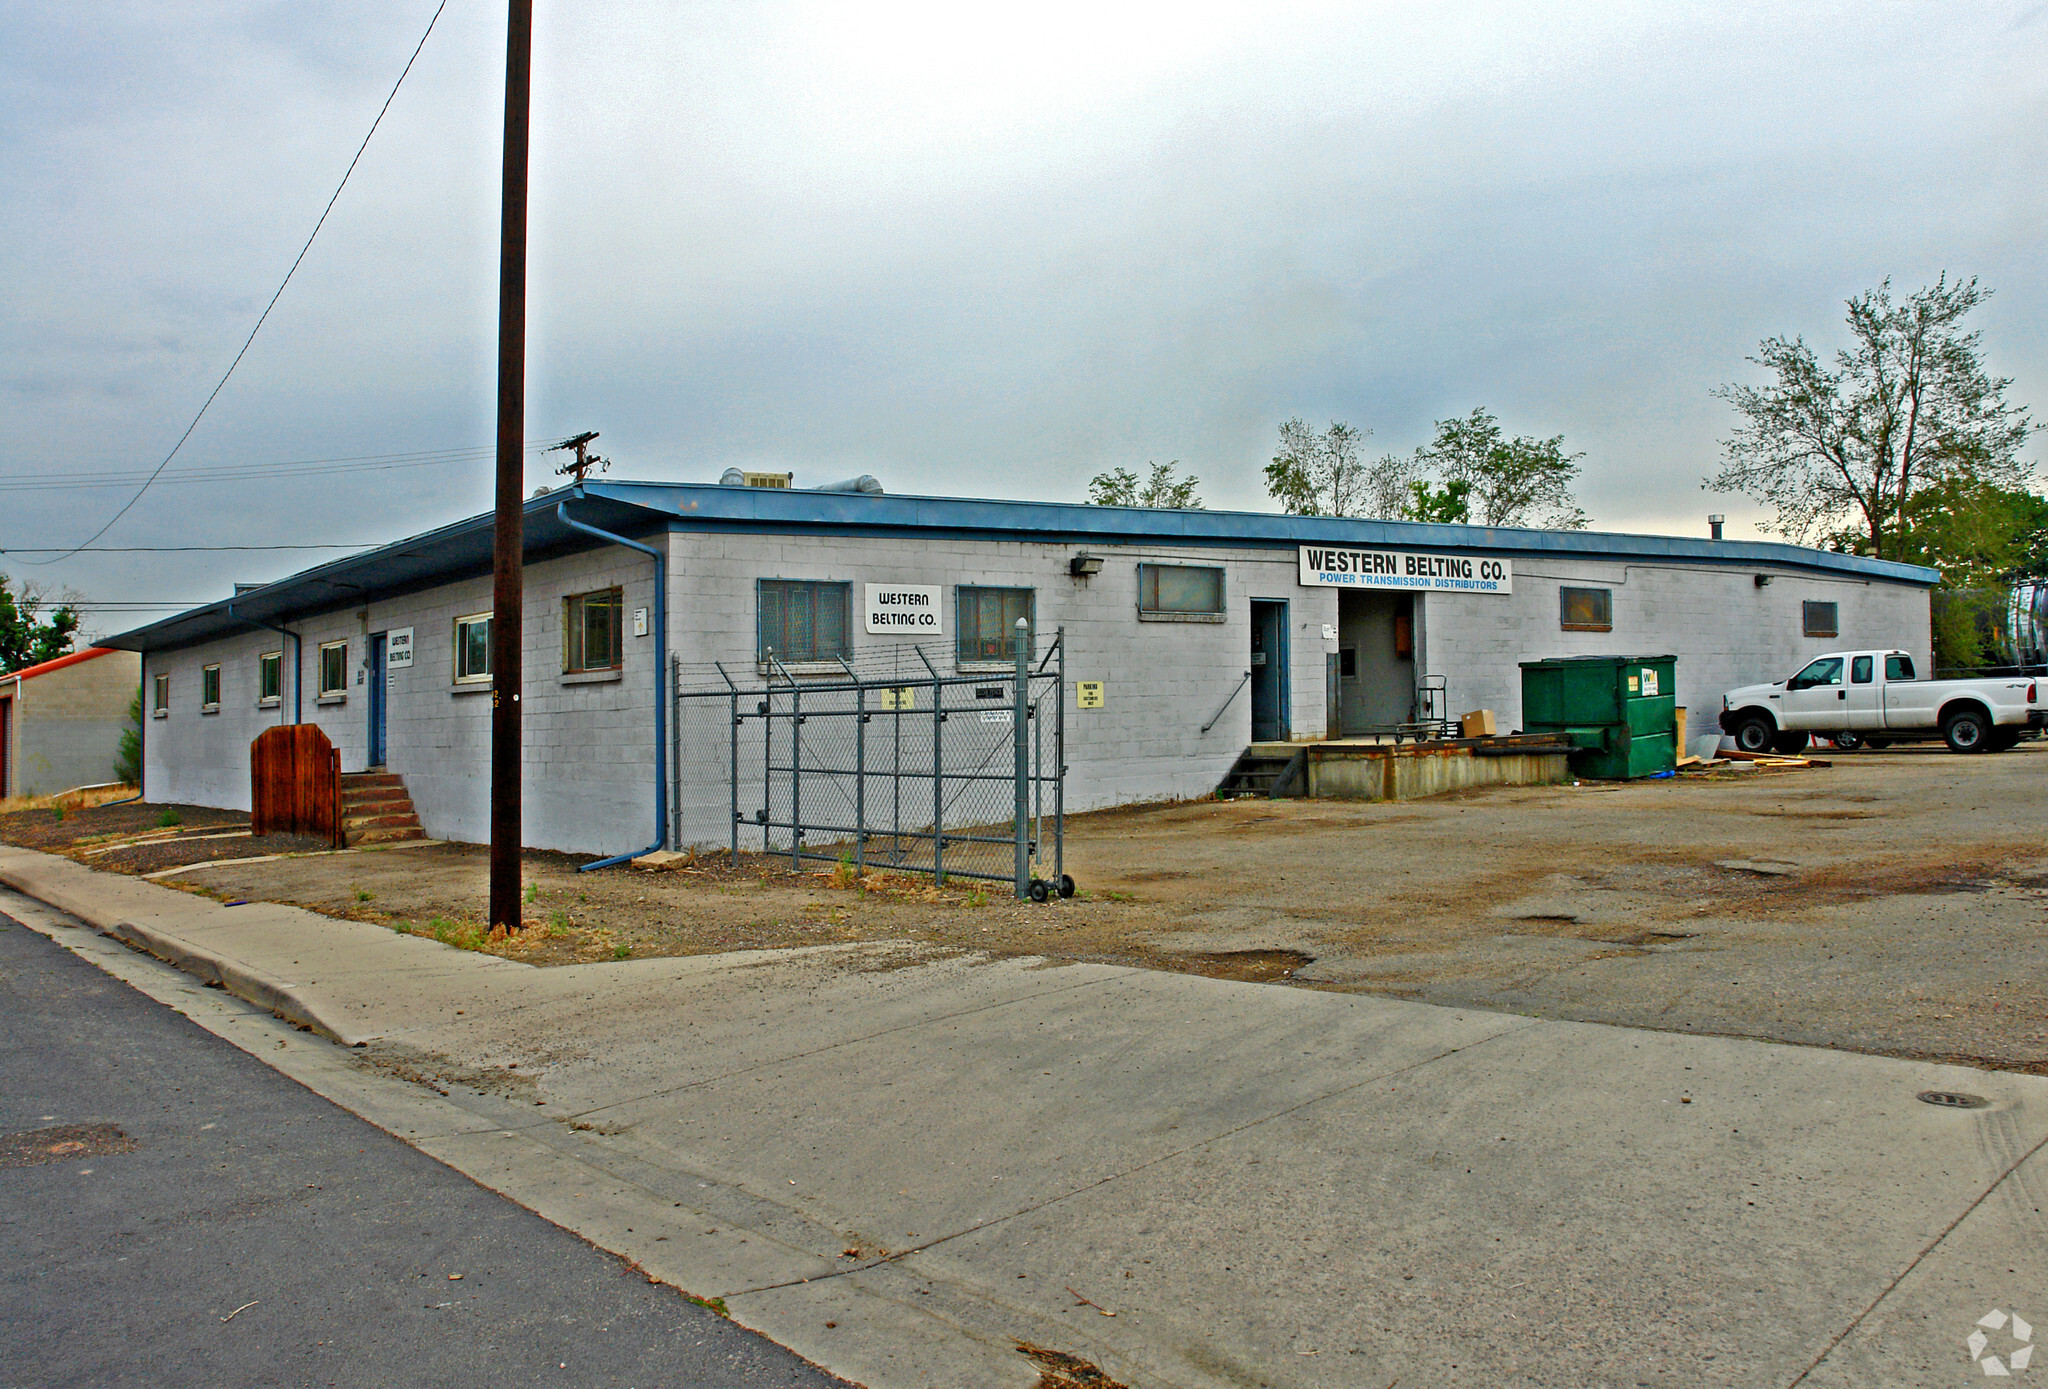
{"x":375,"y":809}
{"x":390,"y":821}
{"x":352,"y":800}
{"x":390,"y":836}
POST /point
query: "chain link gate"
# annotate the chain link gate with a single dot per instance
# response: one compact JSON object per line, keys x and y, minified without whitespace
{"x":957,"y":776}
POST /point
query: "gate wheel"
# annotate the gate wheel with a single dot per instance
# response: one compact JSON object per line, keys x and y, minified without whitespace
{"x":1039,"y":891}
{"x":1066,"y":886}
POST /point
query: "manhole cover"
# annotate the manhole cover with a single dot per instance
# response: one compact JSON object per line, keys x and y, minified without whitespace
{"x":1952,"y":1099}
{"x":63,"y":1143}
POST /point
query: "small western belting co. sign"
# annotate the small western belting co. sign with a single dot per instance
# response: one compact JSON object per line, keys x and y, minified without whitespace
{"x":906,"y":610}
{"x":1430,"y":570}
{"x":398,"y":649}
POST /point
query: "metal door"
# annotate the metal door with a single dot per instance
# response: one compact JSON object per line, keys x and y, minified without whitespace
{"x":1269,"y":670}
{"x":1865,"y":712}
{"x":1817,"y":697}
{"x":375,"y":757}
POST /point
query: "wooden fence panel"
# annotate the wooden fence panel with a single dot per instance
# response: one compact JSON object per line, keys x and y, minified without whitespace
{"x":295,"y":783}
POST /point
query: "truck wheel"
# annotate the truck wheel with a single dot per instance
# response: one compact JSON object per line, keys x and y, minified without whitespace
{"x":1966,"y":730}
{"x":1791,"y":744}
{"x":1847,"y":742}
{"x":1754,"y":734}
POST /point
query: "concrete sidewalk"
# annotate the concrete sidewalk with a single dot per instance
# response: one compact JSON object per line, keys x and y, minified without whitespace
{"x":901,"y":1165}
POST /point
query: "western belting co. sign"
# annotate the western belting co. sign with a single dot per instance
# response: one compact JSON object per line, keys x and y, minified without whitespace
{"x":1428,"y":570}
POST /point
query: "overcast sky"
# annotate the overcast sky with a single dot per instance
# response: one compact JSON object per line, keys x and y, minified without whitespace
{"x":984,"y":249}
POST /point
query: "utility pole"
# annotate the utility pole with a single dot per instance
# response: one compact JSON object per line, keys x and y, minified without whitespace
{"x":508,"y":605}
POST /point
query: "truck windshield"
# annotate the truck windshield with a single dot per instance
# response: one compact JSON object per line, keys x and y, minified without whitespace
{"x":1898,"y":667}
{"x":1826,"y":671}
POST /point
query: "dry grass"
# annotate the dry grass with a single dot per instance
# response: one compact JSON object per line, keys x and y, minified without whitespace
{"x":77,"y":798}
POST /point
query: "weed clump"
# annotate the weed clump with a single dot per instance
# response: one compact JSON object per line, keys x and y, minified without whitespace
{"x":170,"y":819}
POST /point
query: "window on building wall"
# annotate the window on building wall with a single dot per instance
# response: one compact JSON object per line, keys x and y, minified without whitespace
{"x":1180,"y":592}
{"x":801,"y":620}
{"x":590,"y":631}
{"x":209,"y":687}
{"x":1585,"y":609}
{"x":473,"y":649}
{"x":269,"y":677}
{"x":334,"y":668}
{"x":985,"y":622}
{"x":161,"y":701}
{"x":1821,"y":619}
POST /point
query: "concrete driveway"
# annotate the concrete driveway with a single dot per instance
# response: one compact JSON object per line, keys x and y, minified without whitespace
{"x":903,"y":1163}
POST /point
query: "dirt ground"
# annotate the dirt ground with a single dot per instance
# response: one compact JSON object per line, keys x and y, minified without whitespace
{"x":1892,"y":902}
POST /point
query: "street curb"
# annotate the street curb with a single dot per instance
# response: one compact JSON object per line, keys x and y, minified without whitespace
{"x":211,"y":967}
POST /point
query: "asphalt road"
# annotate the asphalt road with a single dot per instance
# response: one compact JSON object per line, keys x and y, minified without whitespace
{"x":251,"y":1233}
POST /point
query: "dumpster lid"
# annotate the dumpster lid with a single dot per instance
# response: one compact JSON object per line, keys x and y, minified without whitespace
{"x":1594,"y":661}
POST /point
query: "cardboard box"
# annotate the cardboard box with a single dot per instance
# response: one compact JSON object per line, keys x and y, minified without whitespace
{"x":1477,"y":724}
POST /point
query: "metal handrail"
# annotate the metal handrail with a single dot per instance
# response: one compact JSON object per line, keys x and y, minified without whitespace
{"x":1226,"y":702}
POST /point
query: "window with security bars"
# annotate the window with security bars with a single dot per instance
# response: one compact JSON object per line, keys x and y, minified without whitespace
{"x":1585,"y":609}
{"x":985,"y":622}
{"x":1821,"y":619}
{"x":801,"y":620}
{"x":591,"y":631}
{"x":1194,"y":590}
{"x":473,"y":649}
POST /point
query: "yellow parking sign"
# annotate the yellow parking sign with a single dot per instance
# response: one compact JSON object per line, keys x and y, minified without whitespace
{"x":1088,"y":694}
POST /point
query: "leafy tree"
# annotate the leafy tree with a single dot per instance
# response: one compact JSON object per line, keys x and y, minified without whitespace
{"x":1983,"y":539}
{"x":1320,"y":474}
{"x":1508,"y":482}
{"x":1120,"y":487}
{"x":1450,"y":503}
{"x":128,"y":751}
{"x":31,"y":629}
{"x":1906,"y":409}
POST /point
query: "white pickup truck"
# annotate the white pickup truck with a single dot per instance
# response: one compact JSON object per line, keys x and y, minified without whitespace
{"x":1873,"y":697}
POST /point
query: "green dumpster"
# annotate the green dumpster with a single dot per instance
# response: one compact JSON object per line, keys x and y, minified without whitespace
{"x":1619,"y":711}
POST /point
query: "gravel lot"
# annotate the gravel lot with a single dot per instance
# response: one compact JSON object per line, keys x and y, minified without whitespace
{"x":1892,"y":902}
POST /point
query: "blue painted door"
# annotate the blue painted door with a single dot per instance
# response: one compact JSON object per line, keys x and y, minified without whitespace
{"x":377,"y":701}
{"x":1269,"y":670}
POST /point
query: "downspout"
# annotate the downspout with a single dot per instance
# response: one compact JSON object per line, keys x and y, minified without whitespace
{"x":298,"y":659}
{"x":660,"y":685}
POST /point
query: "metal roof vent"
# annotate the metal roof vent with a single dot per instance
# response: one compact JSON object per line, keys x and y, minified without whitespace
{"x":864,"y":484}
{"x":739,"y":477}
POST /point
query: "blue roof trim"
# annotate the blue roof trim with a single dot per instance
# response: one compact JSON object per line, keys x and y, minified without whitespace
{"x":463,"y":549}
{"x":727,"y":508}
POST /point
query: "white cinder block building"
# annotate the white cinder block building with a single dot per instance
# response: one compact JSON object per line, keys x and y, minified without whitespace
{"x":1287,"y":627}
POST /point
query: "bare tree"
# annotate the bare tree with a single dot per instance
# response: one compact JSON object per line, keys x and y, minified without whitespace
{"x":1120,"y":487}
{"x":1906,"y":408}
{"x":1320,"y":474}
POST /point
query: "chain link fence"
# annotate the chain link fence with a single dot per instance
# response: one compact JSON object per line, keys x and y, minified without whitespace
{"x":891,"y":766}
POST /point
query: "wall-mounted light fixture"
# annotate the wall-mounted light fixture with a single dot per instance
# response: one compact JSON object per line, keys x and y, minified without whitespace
{"x":1714,"y":527}
{"x":1763,"y":581}
{"x":1084,"y":564}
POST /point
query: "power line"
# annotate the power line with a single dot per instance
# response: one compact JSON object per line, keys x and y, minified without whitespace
{"x":233,"y":471}
{"x":264,"y":316}
{"x":177,"y":549}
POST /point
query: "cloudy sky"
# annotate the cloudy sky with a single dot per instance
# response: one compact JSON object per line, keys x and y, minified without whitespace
{"x":986,"y":249}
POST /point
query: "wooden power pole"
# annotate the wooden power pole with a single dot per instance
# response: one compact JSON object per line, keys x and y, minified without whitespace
{"x":508,"y":616}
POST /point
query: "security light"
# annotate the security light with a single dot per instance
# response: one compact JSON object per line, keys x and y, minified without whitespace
{"x":1084,"y":564}
{"x":1763,"y":581}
